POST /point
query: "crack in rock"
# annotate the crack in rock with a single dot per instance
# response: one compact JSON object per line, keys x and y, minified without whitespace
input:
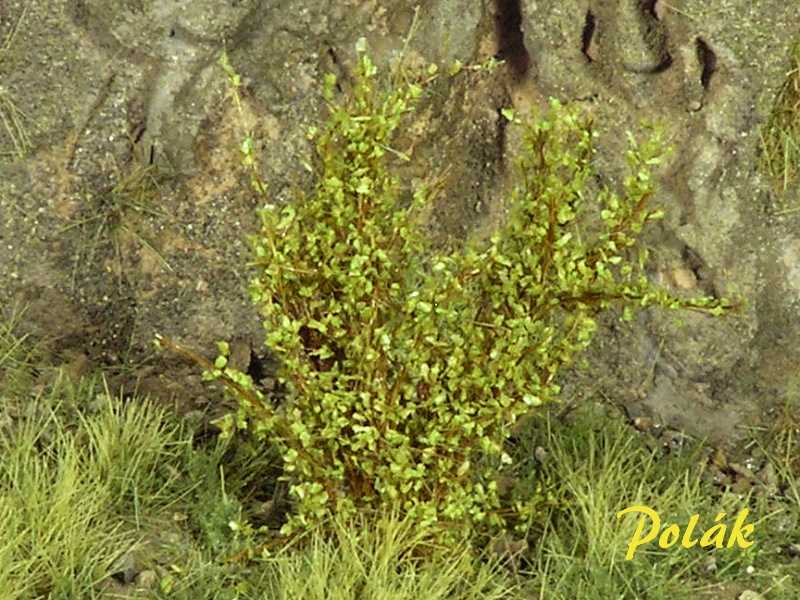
{"x":510,"y":39}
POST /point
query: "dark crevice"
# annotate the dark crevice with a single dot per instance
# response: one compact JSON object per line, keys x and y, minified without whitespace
{"x":257,"y":369}
{"x":708,"y":59}
{"x":137,"y":132}
{"x":665,"y":64}
{"x":510,"y":39}
{"x":699,"y":268}
{"x":333,"y":56}
{"x":694,"y":261}
{"x":338,"y":64}
{"x":649,"y":7}
{"x":588,"y":34}
{"x":655,"y":38}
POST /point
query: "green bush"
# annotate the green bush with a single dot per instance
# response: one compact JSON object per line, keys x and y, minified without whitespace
{"x":406,"y":368}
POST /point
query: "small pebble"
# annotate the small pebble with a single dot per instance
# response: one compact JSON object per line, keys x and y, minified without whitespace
{"x":124,"y":570}
{"x":742,"y":470}
{"x":147,"y":579}
{"x":710,"y":565}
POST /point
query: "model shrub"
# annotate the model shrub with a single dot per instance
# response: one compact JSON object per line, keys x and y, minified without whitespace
{"x":406,"y":368}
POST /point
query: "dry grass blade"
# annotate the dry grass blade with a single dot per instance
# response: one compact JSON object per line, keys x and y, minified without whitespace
{"x":11,"y":117}
{"x":780,"y":137}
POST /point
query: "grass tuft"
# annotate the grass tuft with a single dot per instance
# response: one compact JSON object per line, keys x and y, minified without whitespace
{"x":780,"y":137}
{"x":374,"y":560}
{"x":77,"y":468}
{"x":596,"y":466}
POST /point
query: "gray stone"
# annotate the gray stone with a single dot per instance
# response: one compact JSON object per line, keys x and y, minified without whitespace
{"x":102,"y":83}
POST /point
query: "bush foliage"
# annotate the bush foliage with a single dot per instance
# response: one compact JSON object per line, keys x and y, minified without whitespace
{"x":406,"y":367}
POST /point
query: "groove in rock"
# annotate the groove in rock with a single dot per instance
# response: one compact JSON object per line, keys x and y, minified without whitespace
{"x":708,"y":59}
{"x":652,"y":8}
{"x":510,"y":39}
{"x":588,"y":34}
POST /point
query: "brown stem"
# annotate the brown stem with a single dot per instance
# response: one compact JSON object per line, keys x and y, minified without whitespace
{"x":206,"y":364}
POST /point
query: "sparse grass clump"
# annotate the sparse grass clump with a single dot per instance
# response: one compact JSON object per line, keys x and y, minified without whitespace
{"x":405,"y":368}
{"x":17,"y":356}
{"x":12,"y":118}
{"x":117,"y":220}
{"x":780,"y":135}
{"x":13,"y":121}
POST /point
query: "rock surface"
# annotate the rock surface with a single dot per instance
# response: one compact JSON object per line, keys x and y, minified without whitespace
{"x":120,"y":97}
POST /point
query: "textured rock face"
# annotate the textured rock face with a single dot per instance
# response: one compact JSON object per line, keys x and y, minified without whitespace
{"x":691,"y":71}
{"x":106,"y":84}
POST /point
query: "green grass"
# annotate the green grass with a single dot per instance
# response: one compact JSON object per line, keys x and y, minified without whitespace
{"x":780,"y":136}
{"x":73,"y":487}
{"x":16,"y":355}
{"x":13,"y":122}
{"x":78,"y":469}
{"x":597,"y":466}
{"x":87,"y":478}
{"x":376,"y":561}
